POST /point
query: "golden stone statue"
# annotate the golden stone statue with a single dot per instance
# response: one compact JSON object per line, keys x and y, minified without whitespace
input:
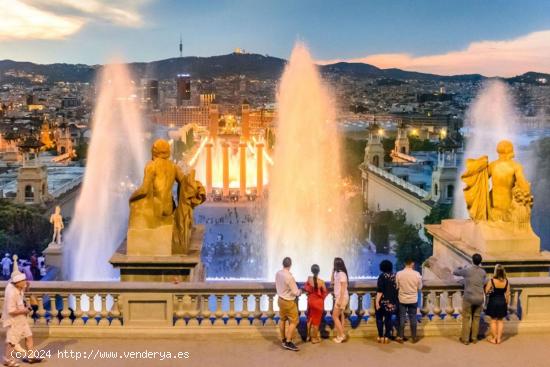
{"x":158,"y":226}
{"x":508,"y":198}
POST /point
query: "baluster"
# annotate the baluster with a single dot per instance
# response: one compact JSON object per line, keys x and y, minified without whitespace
{"x":103,"y":321}
{"x":514,"y":299}
{"x":194,"y":311}
{"x":218,"y":314}
{"x":41,"y":312}
{"x":114,"y":313}
{"x":257,"y":311}
{"x":245,"y":313}
{"x":360,"y":308}
{"x":270,"y":312}
{"x":232,"y":321}
{"x":65,"y":313}
{"x":92,"y":313}
{"x":449,"y":309}
{"x":205,"y":310}
{"x":372,"y":310}
{"x":437,"y":303}
{"x":179,"y":313}
{"x":425,"y":310}
{"x":78,"y":320}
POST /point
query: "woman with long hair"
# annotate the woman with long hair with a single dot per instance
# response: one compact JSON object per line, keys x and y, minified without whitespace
{"x":498,"y":291}
{"x":316,"y":293}
{"x":386,"y":301}
{"x":339,"y":280}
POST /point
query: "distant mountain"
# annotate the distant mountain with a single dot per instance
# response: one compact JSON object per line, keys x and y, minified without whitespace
{"x":251,"y":65}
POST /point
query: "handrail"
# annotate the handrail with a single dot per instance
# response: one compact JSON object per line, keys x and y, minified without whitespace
{"x":398,"y":181}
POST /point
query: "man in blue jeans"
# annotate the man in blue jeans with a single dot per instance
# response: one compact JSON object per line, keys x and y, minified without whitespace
{"x":409,"y":283}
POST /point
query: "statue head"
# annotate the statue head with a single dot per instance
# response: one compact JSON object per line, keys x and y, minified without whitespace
{"x":57,"y":210}
{"x":505,"y":149}
{"x":161,"y":149}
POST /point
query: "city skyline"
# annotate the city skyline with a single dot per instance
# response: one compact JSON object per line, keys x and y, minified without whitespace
{"x":497,"y":38}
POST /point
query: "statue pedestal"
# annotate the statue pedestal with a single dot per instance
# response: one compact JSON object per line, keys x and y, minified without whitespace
{"x":455,"y":241}
{"x":150,"y":264}
{"x":54,"y":258}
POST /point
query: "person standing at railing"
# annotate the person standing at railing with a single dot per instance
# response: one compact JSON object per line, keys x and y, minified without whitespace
{"x":498,"y":291}
{"x":287,"y":293}
{"x":341,"y":298}
{"x":409,"y":283}
{"x":386,"y":301}
{"x":472,"y":301}
{"x":316,"y":294}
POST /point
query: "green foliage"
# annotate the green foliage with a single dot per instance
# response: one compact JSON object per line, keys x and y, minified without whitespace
{"x":411,"y":246}
{"x":22,"y":229}
{"x":437,"y":214}
{"x":409,"y":242}
{"x":353,"y":155}
{"x":416,"y":144}
{"x":388,"y":144}
{"x":81,"y":151}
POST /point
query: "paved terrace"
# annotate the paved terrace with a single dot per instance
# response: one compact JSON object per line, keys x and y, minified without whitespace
{"x":213,"y":351}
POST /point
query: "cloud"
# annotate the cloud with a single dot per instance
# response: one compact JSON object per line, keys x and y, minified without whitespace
{"x":490,"y":58}
{"x":58,"y":19}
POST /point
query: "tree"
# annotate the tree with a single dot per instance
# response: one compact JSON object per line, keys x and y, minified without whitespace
{"x":437,"y":214}
{"x":424,"y":145}
{"x":22,"y":229}
{"x":411,"y":246}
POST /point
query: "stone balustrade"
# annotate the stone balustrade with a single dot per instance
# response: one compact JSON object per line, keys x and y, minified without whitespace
{"x":80,"y":309}
{"x":423,"y":194}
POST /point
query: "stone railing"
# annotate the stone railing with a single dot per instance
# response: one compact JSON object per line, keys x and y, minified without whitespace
{"x":81,"y":309}
{"x":398,"y":181}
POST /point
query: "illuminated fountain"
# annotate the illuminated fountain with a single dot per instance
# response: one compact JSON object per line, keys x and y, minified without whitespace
{"x":116,"y":157}
{"x":306,"y":204}
{"x":491,"y":118}
{"x":231,"y":163}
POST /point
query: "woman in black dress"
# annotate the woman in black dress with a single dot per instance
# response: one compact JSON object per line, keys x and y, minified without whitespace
{"x":498,"y":293}
{"x":386,"y":301}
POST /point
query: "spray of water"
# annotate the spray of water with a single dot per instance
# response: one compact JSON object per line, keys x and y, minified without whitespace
{"x":116,"y":157}
{"x":491,"y":117}
{"x":305,"y":208}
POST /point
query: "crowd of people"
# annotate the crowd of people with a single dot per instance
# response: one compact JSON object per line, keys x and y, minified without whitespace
{"x":34,"y":268}
{"x":396,"y":302}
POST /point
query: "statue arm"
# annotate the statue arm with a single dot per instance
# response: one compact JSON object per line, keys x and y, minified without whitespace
{"x":521,"y":181}
{"x":146,"y":185}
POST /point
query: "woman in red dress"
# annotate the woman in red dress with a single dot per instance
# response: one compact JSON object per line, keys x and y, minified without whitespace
{"x":316,"y":293}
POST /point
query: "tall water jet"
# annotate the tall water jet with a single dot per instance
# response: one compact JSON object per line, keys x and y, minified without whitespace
{"x":491,"y":117}
{"x":116,"y":157}
{"x":305,"y":208}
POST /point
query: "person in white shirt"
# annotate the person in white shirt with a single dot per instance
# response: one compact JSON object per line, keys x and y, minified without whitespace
{"x":287,"y":292}
{"x":14,"y":319}
{"x":409,"y":283}
{"x":341,"y":298}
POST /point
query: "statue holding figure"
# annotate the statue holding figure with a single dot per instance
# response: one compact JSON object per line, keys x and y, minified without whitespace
{"x":507,"y":198}
{"x":154,"y":216}
{"x":56,"y":219}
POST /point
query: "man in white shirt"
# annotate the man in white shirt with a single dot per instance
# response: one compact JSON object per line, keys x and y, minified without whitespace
{"x":409,"y":283}
{"x":287,"y":292}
